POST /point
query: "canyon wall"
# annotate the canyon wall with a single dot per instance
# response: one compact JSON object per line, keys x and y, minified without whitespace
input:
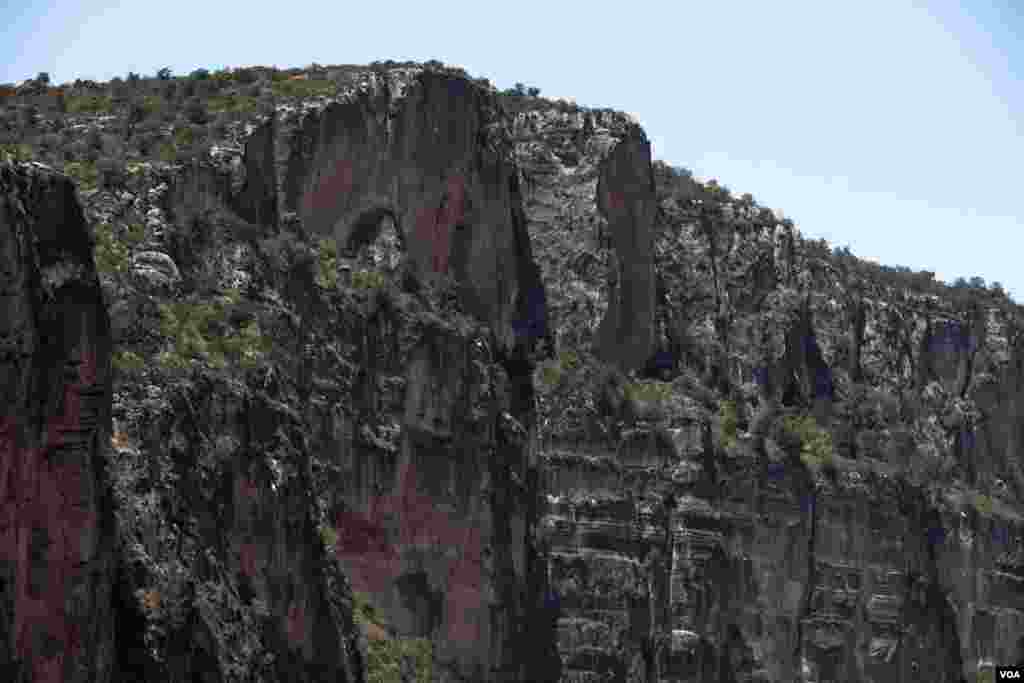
{"x":476,"y":365}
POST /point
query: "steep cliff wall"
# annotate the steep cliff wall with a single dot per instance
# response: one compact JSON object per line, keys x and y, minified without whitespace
{"x":545,"y":410}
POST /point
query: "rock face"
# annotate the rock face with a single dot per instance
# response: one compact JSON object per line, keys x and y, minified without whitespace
{"x":57,"y":540}
{"x":625,"y":196}
{"x":558,"y":412}
{"x":426,"y":151}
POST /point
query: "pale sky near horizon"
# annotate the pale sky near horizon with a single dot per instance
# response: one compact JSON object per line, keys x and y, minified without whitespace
{"x":894,"y":127}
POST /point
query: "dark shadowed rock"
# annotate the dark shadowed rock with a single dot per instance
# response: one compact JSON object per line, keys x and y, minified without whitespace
{"x":625,"y":196}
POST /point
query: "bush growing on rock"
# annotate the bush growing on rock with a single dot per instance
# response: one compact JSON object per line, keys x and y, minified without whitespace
{"x":391,"y":660}
{"x":189,"y":328}
{"x":127,"y":361}
{"x":16,"y":152}
{"x":111,"y":173}
{"x":816,"y":450}
{"x":83,"y":172}
{"x":728,"y":420}
{"x":195,"y":111}
{"x":327,"y":263}
{"x":368,"y":279}
{"x":653,"y":392}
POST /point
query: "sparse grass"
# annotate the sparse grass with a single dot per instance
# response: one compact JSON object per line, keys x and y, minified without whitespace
{"x":89,"y":104}
{"x":310,"y":88}
{"x":231,"y":103}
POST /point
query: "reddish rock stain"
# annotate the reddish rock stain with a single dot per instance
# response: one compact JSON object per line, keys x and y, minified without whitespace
{"x":374,"y":563}
{"x":339,"y":181}
{"x":35,"y":493}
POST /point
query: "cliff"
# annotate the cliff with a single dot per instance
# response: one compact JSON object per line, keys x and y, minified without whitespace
{"x":420,"y":381}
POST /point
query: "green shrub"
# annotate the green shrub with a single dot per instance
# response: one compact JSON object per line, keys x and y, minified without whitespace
{"x":368,"y":279}
{"x":112,"y":254}
{"x":184,"y":136}
{"x":982,"y":503}
{"x":385,"y":657}
{"x":83,"y":173}
{"x":329,"y":536}
{"x":816,"y":448}
{"x":167,"y":153}
{"x":550,"y":373}
{"x":729,"y":421}
{"x":327,"y":263}
{"x":152,"y":104}
{"x":384,"y":660}
{"x":190,"y":328}
{"x":651,"y":392}
{"x":127,"y":361}
{"x":569,"y":360}
{"x":17,"y":152}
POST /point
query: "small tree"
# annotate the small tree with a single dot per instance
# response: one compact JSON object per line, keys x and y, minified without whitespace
{"x":199,"y":75}
{"x":30,"y":116}
{"x":164,"y":74}
{"x":43,"y":77}
{"x":245,"y":75}
{"x":533,"y":92}
{"x":133,"y":78}
{"x":195,"y":111}
{"x":111,"y":173}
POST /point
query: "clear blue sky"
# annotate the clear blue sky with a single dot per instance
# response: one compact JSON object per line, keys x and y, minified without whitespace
{"x":890,"y":126}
